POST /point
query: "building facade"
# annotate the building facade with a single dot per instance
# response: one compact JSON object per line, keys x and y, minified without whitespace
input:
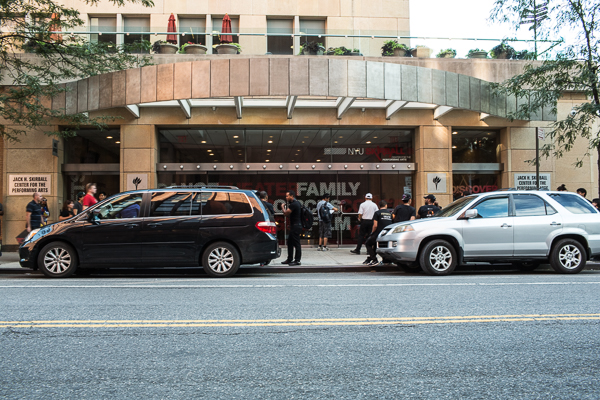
{"x":343,"y":125}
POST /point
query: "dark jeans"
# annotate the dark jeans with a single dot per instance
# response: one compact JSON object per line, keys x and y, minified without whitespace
{"x":371,"y":245}
{"x":294,"y":243}
{"x":366,"y":226}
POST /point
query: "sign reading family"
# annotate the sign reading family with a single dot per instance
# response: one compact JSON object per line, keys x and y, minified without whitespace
{"x":27,"y":185}
{"x":528,"y":181}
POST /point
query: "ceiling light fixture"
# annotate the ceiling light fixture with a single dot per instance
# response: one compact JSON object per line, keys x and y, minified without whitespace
{"x":109,"y":137}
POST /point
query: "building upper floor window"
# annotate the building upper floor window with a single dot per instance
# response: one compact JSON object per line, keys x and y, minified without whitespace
{"x":103,"y":24}
{"x":474,"y":146}
{"x":195,"y":30}
{"x":277,"y":44}
{"x":310,"y":31}
{"x":217,"y":24}
{"x":135,"y":24}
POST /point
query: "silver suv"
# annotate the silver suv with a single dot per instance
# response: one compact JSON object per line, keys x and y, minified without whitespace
{"x":526,"y":228}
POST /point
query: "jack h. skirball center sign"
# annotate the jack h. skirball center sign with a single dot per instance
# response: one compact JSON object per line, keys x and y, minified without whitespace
{"x":528,"y":181}
{"x":27,"y":185}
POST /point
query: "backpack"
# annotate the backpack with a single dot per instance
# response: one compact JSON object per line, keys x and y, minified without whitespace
{"x":306,"y":218}
{"x":324,"y":213}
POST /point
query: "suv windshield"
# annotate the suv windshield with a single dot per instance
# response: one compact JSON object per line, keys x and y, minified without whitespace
{"x":573,"y":202}
{"x":453,"y":208}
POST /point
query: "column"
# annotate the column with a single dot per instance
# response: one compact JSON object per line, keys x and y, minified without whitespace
{"x":209,"y":37}
{"x":433,"y":154}
{"x":139,"y":155}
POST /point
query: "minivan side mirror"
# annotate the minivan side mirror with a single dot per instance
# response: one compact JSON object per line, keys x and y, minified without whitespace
{"x":93,"y":217}
{"x":471,"y":213}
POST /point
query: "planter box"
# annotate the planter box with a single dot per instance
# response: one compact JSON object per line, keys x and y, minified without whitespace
{"x":355,"y":53}
{"x":166,"y":48}
{"x":479,"y":54}
{"x":421,"y":52}
{"x":226,"y":49}
{"x":401,"y":53}
{"x":195,"y":49}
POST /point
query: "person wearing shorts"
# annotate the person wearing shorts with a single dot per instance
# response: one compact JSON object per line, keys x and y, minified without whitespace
{"x":324,"y":221}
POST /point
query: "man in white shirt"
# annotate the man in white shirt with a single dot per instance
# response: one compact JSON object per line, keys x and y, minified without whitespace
{"x":365,"y":216}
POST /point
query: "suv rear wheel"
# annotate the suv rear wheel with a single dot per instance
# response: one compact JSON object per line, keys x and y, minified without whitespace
{"x":568,"y":256}
{"x":221,"y":260}
{"x":57,"y":260}
{"x":438,"y":258}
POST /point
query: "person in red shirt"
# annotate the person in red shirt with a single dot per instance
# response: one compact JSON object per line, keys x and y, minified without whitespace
{"x":89,"y":199}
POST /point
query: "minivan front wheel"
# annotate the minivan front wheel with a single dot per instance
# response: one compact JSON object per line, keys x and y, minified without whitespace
{"x":438,"y":258}
{"x":57,"y":260}
{"x":568,"y":256}
{"x":221,"y":260}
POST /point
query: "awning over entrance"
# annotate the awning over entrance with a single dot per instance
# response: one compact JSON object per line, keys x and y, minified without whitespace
{"x":289,"y":82}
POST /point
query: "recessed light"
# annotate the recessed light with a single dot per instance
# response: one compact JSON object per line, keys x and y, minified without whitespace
{"x":235,"y":137}
{"x":204,"y":141}
{"x":318,"y":160}
{"x":109,"y":137}
{"x":335,"y":141}
{"x":210,"y":151}
{"x":266,"y":160}
{"x":270,"y":141}
{"x":369,"y":142}
{"x":269,"y":150}
{"x":237,"y":141}
{"x":453,"y":147}
{"x":305,"y":137}
{"x":455,"y":133}
{"x":117,"y":142}
{"x":374,"y":137}
{"x":341,"y":137}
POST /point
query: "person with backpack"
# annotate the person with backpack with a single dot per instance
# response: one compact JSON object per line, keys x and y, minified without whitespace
{"x":324,"y":209}
{"x":405,"y":212}
{"x":293,"y":209}
{"x":382,"y":218}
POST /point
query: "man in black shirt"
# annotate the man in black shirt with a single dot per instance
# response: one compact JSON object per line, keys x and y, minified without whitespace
{"x":264,"y":197}
{"x":34,"y":213}
{"x":77,"y":206}
{"x":429,"y":209}
{"x":381,"y":219}
{"x":404,"y":212}
{"x":293,"y":210}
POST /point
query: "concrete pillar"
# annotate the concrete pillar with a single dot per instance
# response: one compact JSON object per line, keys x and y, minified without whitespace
{"x":139,"y":155}
{"x":120,"y":38}
{"x":433,"y":154}
{"x":209,"y":37}
{"x":296,"y":36}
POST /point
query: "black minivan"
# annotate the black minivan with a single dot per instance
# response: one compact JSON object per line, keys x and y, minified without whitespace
{"x":216,"y":227}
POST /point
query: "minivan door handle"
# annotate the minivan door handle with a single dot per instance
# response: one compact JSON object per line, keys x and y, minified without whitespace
{"x":131,"y":226}
{"x":153,"y":225}
{"x":505,"y":225}
{"x":555,"y":223}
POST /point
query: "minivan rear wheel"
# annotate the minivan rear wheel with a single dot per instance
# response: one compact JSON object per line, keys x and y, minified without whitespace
{"x":221,"y":260}
{"x":438,"y":258}
{"x":57,"y":260}
{"x":568,"y":256}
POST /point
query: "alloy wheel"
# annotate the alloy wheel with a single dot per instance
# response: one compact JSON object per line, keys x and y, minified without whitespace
{"x":440,"y":258}
{"x":220,"y":260}
{"x":57,"y":260}
{"x":569,"y":257}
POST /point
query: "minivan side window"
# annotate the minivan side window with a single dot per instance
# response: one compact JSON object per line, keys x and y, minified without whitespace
{"x":528,"y":205}
{"x":573,"y":203}
{"x":493,"y":208}
{"x":171,"y":204}
{"x":221,"y":203}
{"x":127,"y":206}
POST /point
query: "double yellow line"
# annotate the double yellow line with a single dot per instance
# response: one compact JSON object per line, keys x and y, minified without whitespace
{"x":295,"y":322}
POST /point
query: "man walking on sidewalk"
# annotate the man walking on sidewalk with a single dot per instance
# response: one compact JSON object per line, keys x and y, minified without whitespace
{"x":381,"y":219}
{"x":324,"y":208}
{"x":293,"y":210}
{"x":34,"y":213}
{"x":365,"y":216}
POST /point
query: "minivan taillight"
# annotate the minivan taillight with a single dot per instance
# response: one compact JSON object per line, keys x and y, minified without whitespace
{"x":267,"y":227}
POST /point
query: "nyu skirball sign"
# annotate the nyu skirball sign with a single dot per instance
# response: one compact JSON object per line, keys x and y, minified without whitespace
{"x":27,"y":185}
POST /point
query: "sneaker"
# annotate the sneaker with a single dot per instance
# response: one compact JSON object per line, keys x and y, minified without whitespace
{"x":373,"y":263}
{"x":325,"y":248}
{"x":286,"y":261}
{"x":354,"y":251}
{"x":319,"y":249}
{"x":293,"y":263}
{"x":367,"y":261}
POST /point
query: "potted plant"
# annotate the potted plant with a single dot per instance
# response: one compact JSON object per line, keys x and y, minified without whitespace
{"x":421,"y":51}
{"x":447,"y":53}
{"x":338,"y":51}
{"x":192,"y":48}
{"x":228,"y":48}
{"x":355,"y":52}
{"x":312,"y":48}
{"x":393,"y":48}
{"x":503,"y":52}
{"x":477,"y":53}
{"x":524,"y":55}
{"x":162,"y":47}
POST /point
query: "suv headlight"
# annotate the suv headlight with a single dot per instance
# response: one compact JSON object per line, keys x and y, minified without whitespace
{"x":403,"y":228}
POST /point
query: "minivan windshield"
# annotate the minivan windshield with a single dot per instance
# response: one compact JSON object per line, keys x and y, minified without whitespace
{"x":453,"y":208}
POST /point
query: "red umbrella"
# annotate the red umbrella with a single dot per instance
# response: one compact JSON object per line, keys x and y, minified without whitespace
{"x":54,"y":27}
{"x":172,"y":28}
{"x":226,"y":28}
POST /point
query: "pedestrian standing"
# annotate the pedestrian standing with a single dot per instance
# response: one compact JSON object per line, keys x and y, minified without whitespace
{"x":264,"y":197}
{"x":405,"y":212}
{"x":365,"y":216}
{"x":562,"y":188}
{"x":293,"y":209}
{"x":582,"y":192}
{"x":67,"y":210}
{"x":77,"y":206}
{"x":89,"y":199}
{"x":324,"y":209}
{"x":595,"y":203}
{"x":45,"y":211}
{"x":101,"y":196}
{"x":382,"y":218}
{"x":429,"y":209}
{"x":34,"y":213}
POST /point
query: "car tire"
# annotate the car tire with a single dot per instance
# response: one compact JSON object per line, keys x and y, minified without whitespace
{"x":220,"y":260}
{"x":57,"y":260}
{"x":568,"y":256}
{"x":438,"y":257}
{"x":526,"y":266}
{"x":410,"y":268}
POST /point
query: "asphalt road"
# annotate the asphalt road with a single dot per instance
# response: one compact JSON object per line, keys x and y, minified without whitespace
{"x":390,"y":335}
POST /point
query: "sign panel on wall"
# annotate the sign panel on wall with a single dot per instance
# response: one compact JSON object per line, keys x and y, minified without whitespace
{"x":436,"y":183}
{"x":137,"y":181}
{"x":528,"y":181}
{"x":28,"y":184}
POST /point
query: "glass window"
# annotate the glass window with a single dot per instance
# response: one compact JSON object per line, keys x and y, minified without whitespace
{"x":466,"y":184}
{"x":451,"y":209}
{"x":371,"y":145}
{"x":574,"y":203}
{"x":220,"y":203}
{"x":280,"y":44}
{"x":217,"y":25}
{"x":127,"y":206}
{"x":136,"y":25}
{"x":529,"y":205}
{"x":310,"y":31}
{"x":103,"y":24}
{"x":194,"y":29}
{"x":474,"y":146}
{"x":493,"y":208}
{"x":90,"y":146}
{"x":170,"y":204}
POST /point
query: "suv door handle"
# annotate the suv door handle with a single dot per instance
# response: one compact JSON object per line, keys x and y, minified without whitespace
{"x":154,"y":225}
{"x":505,"y":225}
{"x":555,"y":223}
{"x":131,"y":226}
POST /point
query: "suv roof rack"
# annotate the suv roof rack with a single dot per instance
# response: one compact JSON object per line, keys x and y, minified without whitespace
{"x":201,"y":186}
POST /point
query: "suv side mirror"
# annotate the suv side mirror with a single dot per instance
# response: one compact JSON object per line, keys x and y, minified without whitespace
{"x":471,"y":213}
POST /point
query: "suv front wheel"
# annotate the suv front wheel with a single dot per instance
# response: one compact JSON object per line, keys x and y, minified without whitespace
{"x":568,"y":256}
{"x":220,"y":260}
{"x":57,"y":260}
{"x":438,"y":258}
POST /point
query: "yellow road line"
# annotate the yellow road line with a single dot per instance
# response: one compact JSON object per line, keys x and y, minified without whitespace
{"x":295,"y":322}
